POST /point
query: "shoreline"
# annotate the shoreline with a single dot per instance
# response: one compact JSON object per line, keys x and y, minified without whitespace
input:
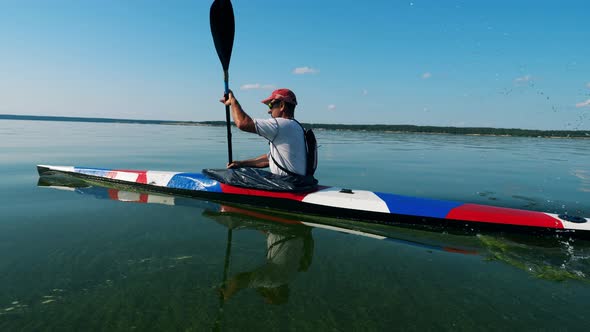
{"x":399,"y":129}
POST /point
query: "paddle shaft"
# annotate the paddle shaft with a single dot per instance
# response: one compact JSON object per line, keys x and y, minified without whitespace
{"x":227,"y":119}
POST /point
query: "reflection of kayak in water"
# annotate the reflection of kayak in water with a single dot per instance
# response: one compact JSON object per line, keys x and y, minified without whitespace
{"x":552,"y":258}
{"x":341,"y":203}
{"x":243,"y":216}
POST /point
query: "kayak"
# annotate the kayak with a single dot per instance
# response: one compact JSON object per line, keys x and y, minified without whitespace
{"x":361,"y":205}
{"x":250,"y":217}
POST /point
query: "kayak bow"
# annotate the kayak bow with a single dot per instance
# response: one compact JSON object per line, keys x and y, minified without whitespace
{"x":341,"y":203}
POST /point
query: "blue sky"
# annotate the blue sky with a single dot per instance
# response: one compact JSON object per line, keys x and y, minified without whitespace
{"x":516,"y":64}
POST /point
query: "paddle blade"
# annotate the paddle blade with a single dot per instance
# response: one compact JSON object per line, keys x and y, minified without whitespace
{"x":221,"y":18}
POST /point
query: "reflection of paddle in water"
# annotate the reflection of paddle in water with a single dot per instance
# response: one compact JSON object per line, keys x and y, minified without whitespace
{"x":224,"y":282}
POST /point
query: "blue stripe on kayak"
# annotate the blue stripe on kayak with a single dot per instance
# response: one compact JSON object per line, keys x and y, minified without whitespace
{"x":194,"y":181}
{"x":413,"y":206}
{"x":92,"y":171}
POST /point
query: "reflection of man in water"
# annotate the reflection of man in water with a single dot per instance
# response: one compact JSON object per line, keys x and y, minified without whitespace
{"x":289,"y":250}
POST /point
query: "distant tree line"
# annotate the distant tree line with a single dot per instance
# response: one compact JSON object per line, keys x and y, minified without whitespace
{"x":372,"y":128}
{"x":442,"y":130}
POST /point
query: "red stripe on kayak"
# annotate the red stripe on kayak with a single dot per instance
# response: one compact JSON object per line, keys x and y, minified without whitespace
{"x":498,"y":215}
{"x":141,"y":175}
{"x":142,"y":178}
{"x":227,"y":189}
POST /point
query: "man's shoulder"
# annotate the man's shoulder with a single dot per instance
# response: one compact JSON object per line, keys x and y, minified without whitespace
{"x":287,"y":122}
{"x":266,"y":121}
{"x":281,"y":122}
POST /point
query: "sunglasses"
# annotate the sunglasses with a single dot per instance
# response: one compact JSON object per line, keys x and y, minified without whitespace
{"x":273,"y":103}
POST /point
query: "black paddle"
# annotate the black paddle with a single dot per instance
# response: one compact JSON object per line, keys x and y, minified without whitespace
{"x":221,"y":18}
{"x":223,"y":26}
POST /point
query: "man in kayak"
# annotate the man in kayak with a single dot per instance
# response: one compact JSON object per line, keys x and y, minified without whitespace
{"x":287,"y":154}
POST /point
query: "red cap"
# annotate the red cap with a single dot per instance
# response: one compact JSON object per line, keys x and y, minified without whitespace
{"x":285,"y":95}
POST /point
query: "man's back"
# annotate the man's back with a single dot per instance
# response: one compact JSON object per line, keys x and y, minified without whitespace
{"x":287,"y":144}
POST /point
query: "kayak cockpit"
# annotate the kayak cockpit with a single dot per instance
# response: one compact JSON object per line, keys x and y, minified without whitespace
{"x":255,"y":178}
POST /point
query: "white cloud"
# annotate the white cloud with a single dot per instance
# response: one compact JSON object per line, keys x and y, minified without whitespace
{"x":588,"y":85}
{"x":331,"y":107}
{"x":304,"y":70}
{"x":365,"y":92}
{"x":426,"y":75}
{"x":257,"y":86}
{"x":523,"y":79}
{"x":583,"y":104}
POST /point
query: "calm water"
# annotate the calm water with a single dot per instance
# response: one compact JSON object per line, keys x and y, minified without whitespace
{"x":80,"y":260}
